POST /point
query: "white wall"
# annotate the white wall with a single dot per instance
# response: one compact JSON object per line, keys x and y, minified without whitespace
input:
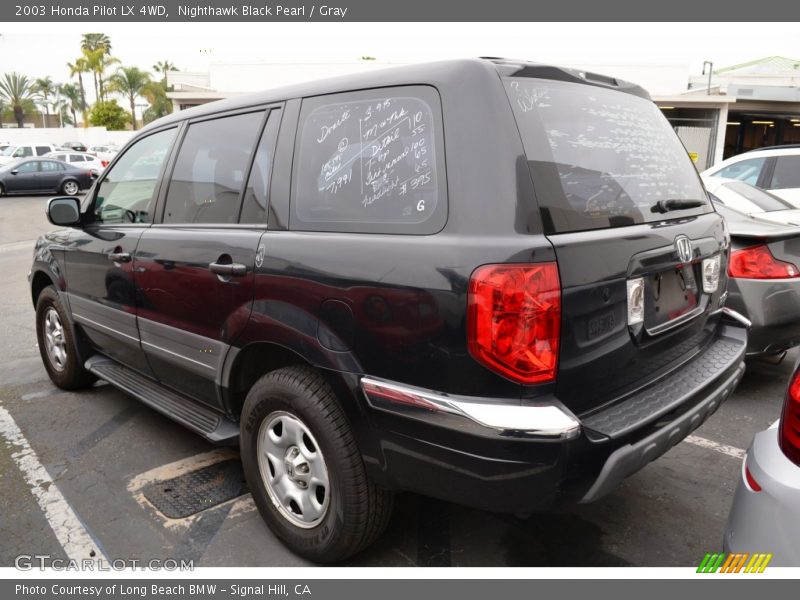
{"x":90,"y":137}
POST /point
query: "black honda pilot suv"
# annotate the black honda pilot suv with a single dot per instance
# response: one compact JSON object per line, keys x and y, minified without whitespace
{"x":489,"y":281}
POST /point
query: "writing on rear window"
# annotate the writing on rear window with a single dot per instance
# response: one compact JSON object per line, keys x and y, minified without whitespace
{"x":599,"y":157}
{"x":367,"y":160}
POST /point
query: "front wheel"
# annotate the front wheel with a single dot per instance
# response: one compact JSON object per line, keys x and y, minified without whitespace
{"x":304,"y":469}
{"x":57,"y":344}
{"x":70,"y":188}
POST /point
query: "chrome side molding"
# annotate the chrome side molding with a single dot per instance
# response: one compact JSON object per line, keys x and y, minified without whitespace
{"x":546,"y":421}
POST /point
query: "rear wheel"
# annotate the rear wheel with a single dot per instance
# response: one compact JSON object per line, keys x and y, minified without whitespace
{"x":70,"y":188}
{"x":57,"y":344}
{"x":2,"y":190}
{"x":304,"y":469}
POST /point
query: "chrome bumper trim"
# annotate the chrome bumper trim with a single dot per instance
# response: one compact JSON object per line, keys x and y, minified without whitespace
{"x":538,"y":421}
{"x":729,"y":312}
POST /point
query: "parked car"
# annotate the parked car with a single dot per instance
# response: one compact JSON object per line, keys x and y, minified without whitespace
{"x":764,"y":514}
{"x":77,"y":146}
{"x":776,"y":169}
{"x":39,"y":176}
{"x":764,"y":278}
{"x":18,"y":151}
{"x":105,"y":152}
{"x":81,"y":160}
{"x":515,"y":318}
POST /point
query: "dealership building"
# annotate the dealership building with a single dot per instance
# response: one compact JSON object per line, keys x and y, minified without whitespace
{"x":724,"y":112}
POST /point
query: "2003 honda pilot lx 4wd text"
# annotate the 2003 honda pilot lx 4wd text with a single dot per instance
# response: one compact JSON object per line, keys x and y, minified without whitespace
{"x":488,"y":281}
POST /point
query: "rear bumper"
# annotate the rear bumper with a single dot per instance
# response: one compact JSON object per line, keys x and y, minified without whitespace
{"x":441,"y":449}
{"x":767,"y":521}
{"x":773,"y":307}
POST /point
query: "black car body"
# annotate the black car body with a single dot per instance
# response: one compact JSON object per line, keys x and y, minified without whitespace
{"x":43,"y":176}
{"x":506,"y":274}
{"x":77,"y":146}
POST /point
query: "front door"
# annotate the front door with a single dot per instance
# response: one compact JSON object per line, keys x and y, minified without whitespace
{"x":101,"y":283}
{"x":23,"y":178}
{"x":195,"y":268}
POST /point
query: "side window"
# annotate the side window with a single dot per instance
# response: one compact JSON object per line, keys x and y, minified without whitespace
{"x":40,"y":150}
{"x":787,"y":173}
{"x":59,"y":157}
{"x":370,"y":161}
{"x":127,"y":192}
{"x":73,"y":158}
{"x":744,"y":170}
{"x":210,"y":169}
{"x":23,"y":151}
{"x":28,"y":167}
{"x":49,"y":166}
{"x":256,"y":194}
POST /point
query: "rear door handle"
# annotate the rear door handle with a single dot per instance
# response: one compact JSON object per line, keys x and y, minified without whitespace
{"x":229,"y":269}
{"x":119,"y":257}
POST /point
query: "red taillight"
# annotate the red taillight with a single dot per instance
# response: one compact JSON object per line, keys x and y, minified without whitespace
{"x":514,"y":320}
{"x":757,"y":262}
{"x":789,"y":430}
{"x":104,"y":163}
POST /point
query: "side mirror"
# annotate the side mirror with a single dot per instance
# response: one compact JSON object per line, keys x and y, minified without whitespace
{"x":14,"y":172}
{"x":64,"y":211}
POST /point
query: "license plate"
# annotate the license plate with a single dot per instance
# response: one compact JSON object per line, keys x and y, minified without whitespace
{"x":600,"y":325}
{"x":671,"y":294}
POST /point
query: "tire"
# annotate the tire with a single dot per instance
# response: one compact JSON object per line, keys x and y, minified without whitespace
{"x":355,"y":511}
{"x":2,"y":190}
{"x":64,"y":367}
{"x":70,"y":187}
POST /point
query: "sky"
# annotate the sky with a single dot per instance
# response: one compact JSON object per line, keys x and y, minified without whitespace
{"x":40,"y":49}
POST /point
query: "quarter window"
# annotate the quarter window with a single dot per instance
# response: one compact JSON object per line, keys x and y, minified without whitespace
{"x":370,"y":162}
{"x":787,"y":173}
{"x":210,"y":169}
{"x":127,"y":192}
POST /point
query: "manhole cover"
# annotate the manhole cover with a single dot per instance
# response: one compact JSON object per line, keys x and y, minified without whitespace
{"x":192,"y":492}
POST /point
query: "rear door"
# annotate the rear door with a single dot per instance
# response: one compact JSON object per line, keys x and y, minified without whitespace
{"x":50,"y":175}
{"x":101,"y":283}
{"x":195,"y":268}
{"x":625,"y":211}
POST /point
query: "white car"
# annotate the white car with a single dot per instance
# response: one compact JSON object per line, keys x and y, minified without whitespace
{"x":16,"y":151}
{"x":105,"y":152}
{"x":776,"y":169}
{"x":80,"y":160}
{"x":746,"y":199}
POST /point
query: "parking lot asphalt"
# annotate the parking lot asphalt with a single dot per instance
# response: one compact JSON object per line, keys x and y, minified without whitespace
{"x":86,"y":455}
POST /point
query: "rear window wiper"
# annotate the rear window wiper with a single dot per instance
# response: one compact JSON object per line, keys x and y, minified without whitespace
{"x":663,"y":206}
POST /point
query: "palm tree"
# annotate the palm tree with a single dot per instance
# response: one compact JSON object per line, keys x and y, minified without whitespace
{"x":74,"y":102}
{"x":44,"y":88}
{"x":77,"y":69}
{"x":164,"y":67}
{"x":96,"y":47}
{"x":16,"y":90}
{"x":130,"y":82}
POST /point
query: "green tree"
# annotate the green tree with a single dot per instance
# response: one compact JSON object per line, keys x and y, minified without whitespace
{"x":131,"y":82}
{"x":109,"y":115}
{"x":45,"y":88}
{"x":77,"y":69}
{"x":156,"y":95}
{"x":164,"y":67}
{"x":96,"y":48}
{"x":15,"y":88}
{"x":74,"y":102}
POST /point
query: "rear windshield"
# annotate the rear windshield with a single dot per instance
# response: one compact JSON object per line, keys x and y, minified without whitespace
{"x":600,"y":158}
{"x":759,"y":200}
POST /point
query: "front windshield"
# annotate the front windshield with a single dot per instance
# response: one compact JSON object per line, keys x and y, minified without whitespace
{"x":8,"y":151}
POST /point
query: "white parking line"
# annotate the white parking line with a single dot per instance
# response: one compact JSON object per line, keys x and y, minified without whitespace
{"x":76,"y":541}
{"x":702,"y":442}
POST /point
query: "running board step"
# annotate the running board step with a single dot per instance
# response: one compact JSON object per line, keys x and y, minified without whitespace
{"x":200,"y":419}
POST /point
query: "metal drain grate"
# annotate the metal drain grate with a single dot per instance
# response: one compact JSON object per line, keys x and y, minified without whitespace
{"x":192,"y":492}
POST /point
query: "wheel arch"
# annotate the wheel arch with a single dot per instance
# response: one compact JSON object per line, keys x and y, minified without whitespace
{"x":39,"y":281}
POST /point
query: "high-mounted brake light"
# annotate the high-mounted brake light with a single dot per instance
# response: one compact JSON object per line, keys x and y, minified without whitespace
{"x":789,"y":428}
{"x":757,"y":262}
{"x":514,"y":320}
